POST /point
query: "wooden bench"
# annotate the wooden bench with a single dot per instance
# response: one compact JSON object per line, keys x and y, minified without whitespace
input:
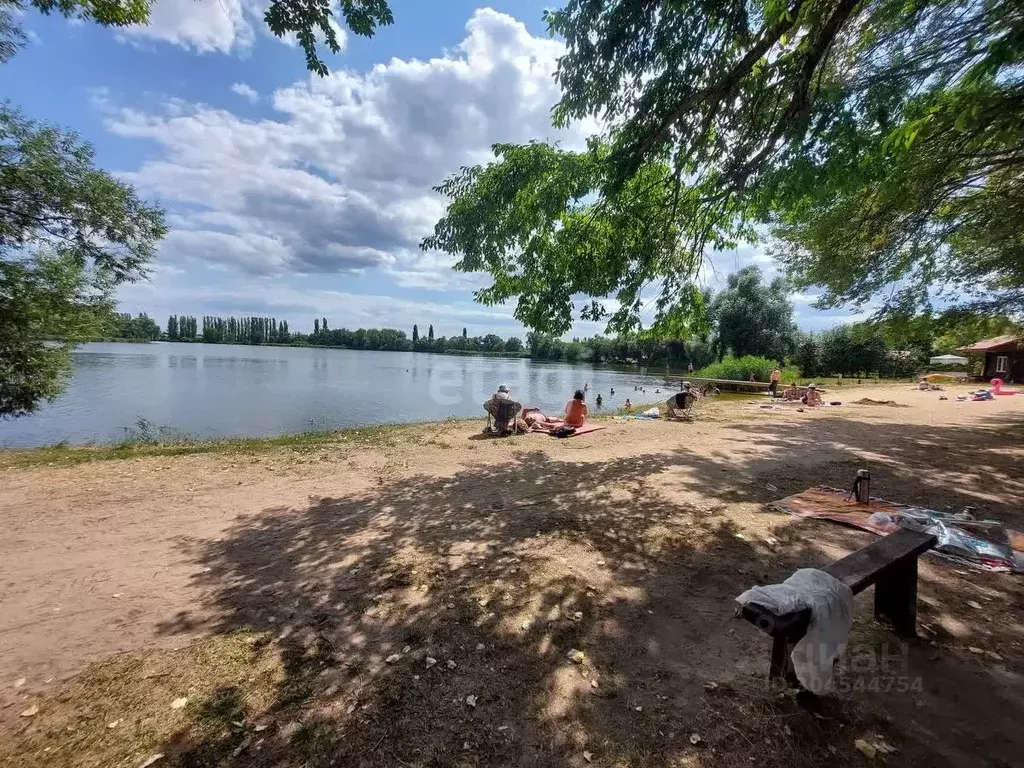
{"x":890,"y":564}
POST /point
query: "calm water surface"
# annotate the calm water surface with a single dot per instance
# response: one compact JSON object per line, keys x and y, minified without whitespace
{"x":207,"y":390}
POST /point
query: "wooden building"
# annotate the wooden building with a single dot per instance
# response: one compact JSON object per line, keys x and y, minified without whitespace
{"x":1004,"y":357}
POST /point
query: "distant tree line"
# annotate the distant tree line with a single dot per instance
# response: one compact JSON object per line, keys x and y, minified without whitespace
{"x":124,"y":326}
{"x":392,"y":339}
{"x":230,"y":330}
{"x":749,"y":318}
{"x":389,"y":339}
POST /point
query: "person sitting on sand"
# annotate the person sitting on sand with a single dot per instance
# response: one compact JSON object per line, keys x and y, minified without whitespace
{"x":923,"y":384}
{"x":680,"y":402}
{"x":812,"y":396}
{"x":576,"y":410}
{"x":792,"y":393}
{"x":628,"y":406}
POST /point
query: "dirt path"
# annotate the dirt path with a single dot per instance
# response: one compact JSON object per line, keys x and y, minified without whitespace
{"x":444,"y":542}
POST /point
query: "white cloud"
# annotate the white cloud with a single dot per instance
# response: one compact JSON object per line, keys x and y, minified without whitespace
{"x":718,"y":265}
{"x":223,"y":26}
{"x":249,"y":252}
{"x":246,"y":92}
{"x":204,"y":26}
{"x":341,"y":179}
{"x":174,"y":292}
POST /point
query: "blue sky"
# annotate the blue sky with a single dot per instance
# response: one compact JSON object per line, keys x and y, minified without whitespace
{"x":300,"y":197}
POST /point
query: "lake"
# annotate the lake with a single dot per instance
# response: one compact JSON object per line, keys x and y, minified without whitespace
{"x":214,"y":390}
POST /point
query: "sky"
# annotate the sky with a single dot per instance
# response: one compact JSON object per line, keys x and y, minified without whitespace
{"x":295,"y":196}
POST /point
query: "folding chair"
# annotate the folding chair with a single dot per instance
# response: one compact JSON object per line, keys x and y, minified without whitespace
{"x":504,"y":414}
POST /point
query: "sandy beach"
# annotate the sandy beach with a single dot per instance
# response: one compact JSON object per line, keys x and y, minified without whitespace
{"x":351,"y":568}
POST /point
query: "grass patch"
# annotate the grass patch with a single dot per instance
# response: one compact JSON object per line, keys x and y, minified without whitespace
{"x":741,"y":368}
{"x":64,"y":455}
{"x":118,"y":711}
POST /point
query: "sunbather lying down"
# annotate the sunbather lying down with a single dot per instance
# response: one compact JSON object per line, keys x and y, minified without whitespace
{"x":533,"y":416}
{"x":538,"y":422}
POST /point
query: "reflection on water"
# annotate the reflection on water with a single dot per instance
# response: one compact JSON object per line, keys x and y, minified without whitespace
{"x":221,"y":390}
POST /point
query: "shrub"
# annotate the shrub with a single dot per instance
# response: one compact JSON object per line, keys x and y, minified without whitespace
{"x":740,"y":368}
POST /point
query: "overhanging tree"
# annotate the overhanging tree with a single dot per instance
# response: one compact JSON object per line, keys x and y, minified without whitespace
{"x":311,"y":21}
{"x":542,"y":224}
{"x":724,"y":115}
{"x":69,"y":234}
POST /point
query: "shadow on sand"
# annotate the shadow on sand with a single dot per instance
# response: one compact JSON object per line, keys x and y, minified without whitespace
{"x":393,"y":607}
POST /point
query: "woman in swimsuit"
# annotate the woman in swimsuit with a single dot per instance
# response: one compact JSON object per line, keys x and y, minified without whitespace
{"x":576,"y":410}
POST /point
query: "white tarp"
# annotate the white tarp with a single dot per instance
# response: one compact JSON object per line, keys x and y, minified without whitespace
{"x":948,"y":360}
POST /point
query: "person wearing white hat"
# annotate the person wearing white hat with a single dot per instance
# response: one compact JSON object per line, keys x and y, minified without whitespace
{"x":812,"y":396}
{"x":492,"y":402}
{"x":501,"y":408}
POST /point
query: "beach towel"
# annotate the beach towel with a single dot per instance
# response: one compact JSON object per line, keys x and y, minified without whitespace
{"x":586,"y":429}
{"x":983,"y":544}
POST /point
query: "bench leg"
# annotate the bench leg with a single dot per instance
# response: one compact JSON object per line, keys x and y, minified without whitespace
{"x":781,"y":666}
{"x":896,"y":597}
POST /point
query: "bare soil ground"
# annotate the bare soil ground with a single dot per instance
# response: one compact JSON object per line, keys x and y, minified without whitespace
{"x":414,"y":603}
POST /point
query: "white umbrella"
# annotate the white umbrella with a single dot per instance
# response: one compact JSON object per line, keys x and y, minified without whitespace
{"x":949,"y":360}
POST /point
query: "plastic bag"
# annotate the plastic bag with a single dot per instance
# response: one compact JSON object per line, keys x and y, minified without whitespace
{"x":831,"y":604}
